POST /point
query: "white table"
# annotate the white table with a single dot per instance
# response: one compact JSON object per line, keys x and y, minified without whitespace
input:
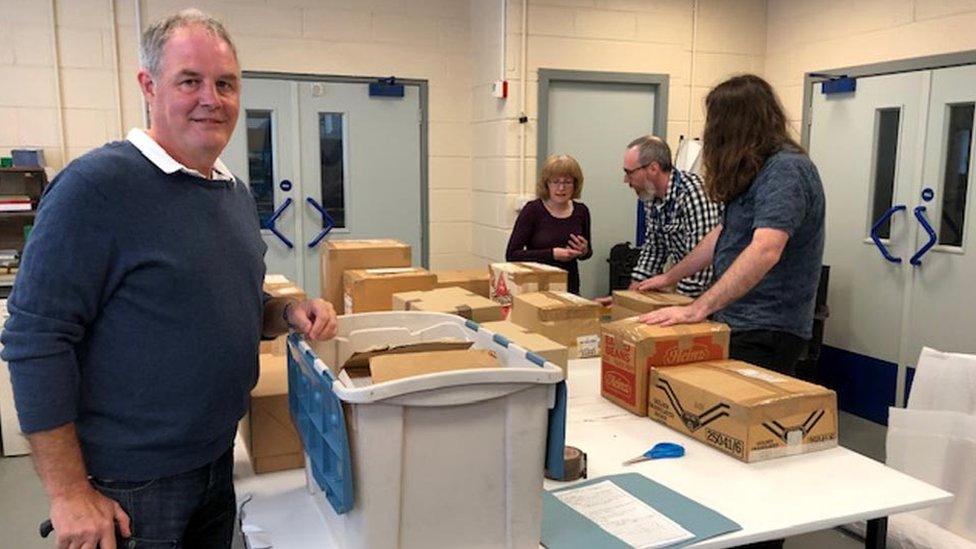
{"x":771,"y":499}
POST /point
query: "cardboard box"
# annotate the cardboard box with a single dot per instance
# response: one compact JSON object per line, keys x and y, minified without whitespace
{"x":627,"y":303}
{"x":369,"y":290}
{"x":390,"y":367}
{"x":631,"y":348}
{"x":563,"y":317}
{"x":743,"y":410}
{"x":474,"y":280}
{"x":537,"y":343}
{"x":277,"y":285}
{"x":339,"y":256}
{"x":452,"y":300}
{"x":511,"y":279}
{"x":267,"y":430}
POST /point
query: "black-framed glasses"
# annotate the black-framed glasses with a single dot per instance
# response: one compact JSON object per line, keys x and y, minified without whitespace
{"x":629,"y":173}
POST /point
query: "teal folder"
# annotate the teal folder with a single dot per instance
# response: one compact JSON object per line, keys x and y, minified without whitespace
{"x":564,"y":528}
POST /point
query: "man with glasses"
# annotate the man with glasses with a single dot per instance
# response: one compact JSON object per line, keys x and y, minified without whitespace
{"x":677,"y":213}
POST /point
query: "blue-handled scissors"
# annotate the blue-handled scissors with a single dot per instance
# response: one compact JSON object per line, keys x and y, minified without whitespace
{"x":661,"y":450}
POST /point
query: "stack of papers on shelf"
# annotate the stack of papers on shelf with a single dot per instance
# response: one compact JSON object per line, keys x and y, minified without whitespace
{"x":15,"y":203}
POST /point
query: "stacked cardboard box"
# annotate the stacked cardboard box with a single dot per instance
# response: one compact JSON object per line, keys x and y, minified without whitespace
{"x":367,"y":290}
{"x":267,"y":430}
{"x":627,"y":303}
{"x":452,"y":300}
{"x":473,"y":280}
{"x":511,"y":279}
{"x":339,"y":256}
{"x":631,"y":348}
{"x":563,"y":317}
{"x":743,"y":410}
{"x":539,"y":344}
{"x":279,"y":286}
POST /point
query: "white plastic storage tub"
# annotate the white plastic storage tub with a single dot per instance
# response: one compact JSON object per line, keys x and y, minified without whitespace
{"x":450,"y":459}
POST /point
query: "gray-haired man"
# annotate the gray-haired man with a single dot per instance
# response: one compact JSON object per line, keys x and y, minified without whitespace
{"x":136,"y":314}
{"x":677,"y":212}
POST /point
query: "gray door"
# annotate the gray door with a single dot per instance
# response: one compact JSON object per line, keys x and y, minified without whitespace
{"x":332,"y":162}
{"x":260,"y":152}
{"x":865,"y":146}
{"x":895,"y":157}
{"x":593,"y":122}
{"x":361,"y":162}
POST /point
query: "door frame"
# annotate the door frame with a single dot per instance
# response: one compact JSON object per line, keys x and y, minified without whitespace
{"x":660,"y":83}
{"x":422,"y":86}
{"x":928,"y":62}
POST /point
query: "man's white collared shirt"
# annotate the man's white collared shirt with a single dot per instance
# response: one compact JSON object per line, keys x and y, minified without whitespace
{"x":155,"y":153}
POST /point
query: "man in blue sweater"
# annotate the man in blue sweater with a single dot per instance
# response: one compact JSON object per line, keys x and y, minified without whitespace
{"x":137,"y":312}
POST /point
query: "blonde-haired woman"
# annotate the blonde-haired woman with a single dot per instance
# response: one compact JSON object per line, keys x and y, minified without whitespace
{"x":554,"y":228}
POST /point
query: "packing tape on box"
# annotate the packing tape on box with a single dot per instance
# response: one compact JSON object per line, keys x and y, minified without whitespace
{"x":574,"y":465}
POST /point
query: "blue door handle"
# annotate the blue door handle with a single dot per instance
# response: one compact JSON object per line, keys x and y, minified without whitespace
{"x":270,"y":223}
{"x":326,"y":218}
{"x":920,"y":216}
{"x":877,"y":225}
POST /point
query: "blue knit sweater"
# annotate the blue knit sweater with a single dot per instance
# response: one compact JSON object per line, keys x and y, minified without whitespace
{"x":136,"y":314}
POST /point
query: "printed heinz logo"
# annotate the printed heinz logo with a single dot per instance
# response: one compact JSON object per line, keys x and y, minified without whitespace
{"x":669,"y":352}
{"x":618,"y":383}
{"x":675,"y":355}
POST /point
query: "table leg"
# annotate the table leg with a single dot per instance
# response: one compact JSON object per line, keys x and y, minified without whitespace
{"x":877,"y":534}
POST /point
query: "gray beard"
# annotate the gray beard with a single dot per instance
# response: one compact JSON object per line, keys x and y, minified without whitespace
{"x":645,"y":195}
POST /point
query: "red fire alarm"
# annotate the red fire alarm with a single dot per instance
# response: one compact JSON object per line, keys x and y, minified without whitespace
{"x":499,"y":89}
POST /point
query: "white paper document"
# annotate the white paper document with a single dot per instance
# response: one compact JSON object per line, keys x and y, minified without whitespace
{"x":624,"y":516}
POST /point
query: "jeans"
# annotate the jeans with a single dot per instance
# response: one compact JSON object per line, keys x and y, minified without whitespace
{"x":188,"y":510}
{"x":770,"y":349}
{"x":777,"y":351}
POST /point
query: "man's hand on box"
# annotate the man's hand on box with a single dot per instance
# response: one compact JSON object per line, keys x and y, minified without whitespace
{"x":670,"y":316}
{"x":659,"y":282}
{"x":315,"y":318}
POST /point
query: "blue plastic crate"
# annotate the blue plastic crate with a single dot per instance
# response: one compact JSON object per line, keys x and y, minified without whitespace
{"x":322,"y":427}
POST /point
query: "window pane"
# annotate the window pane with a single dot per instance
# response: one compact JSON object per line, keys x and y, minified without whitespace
{"x":885,"y":160}
{"x":331,"y":166}
{"x":260,"y":162}
{"x":955,"y":183}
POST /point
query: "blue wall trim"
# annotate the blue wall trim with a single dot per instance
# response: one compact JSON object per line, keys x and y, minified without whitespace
{"x":865,"y":385}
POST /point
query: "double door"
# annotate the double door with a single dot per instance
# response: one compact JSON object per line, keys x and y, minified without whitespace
{"x":895,"y":157}
{"x":327,"y":160}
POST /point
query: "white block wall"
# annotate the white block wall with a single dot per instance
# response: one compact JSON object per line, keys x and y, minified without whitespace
{"x":819,"y":35}
{"x":474,"y":170}
{"x":639,"y":36}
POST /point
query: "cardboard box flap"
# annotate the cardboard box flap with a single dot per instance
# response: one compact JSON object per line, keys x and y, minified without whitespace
{"x":272,"y":376}
{"x":365,"y":243}
{"x":354,"y":275}
{"x":359,"y":361}
{"x":635,"y":330}
{"x":389,"y":367}
{"x":523,"y":271}
{"x":743,"y":383}
{"x":448,"y":300}
{"x":560,"y":305}
{"x":275,"y":280}
{"x":639,"y":301}
{"x":523,"y":337}
{"x":447,"y":278}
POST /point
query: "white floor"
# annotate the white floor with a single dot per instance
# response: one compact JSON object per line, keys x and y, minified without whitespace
{"x":23,"y":504}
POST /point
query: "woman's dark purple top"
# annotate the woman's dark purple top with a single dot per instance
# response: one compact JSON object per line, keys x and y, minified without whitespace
{"x":537,"y":232}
